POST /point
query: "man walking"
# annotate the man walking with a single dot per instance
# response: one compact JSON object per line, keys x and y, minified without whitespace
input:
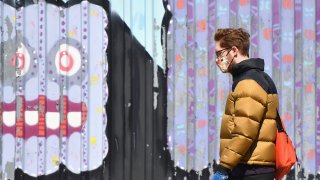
{"x":248,"y":128}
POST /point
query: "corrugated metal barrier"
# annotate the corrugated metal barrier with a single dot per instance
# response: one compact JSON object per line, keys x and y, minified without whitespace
{"x":129,"y":89}
{"x":285,"y":33}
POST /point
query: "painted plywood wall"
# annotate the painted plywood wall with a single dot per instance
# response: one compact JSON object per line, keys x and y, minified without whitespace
{"x":43,"y":88}
{"x":81,"y":95}
{"x":53,"y":88}
{"x":285,"y":33}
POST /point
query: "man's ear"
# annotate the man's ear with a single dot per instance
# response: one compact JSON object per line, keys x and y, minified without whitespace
{"x":235,"y":49}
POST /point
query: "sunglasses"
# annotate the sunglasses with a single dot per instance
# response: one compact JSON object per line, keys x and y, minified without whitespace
{"x":218,"y":53}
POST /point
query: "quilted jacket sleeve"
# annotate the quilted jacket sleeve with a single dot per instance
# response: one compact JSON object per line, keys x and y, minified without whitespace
{"x":250,"y":108}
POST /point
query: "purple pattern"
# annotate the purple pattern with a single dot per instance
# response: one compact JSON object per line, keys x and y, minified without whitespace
{"x":211,"y":73}
{"x":309,"y":106}
{"x":42,"y":81}
{"x":63,"y":83}
{"x":265,"y":34}
{"x":20,"y":91}
{"x":291,"y":67}
{"x":233,"y":13}
{"x":201,"y":85}
{"x":276,"y":34}
{"x":180,"y":85}
{"x":254,"y":29}
{"x":318,"y":87}
{"x":191,"y":83}
{"x":287,"y":68}
{"x":85,"y":88}
{"x":298,"y":80}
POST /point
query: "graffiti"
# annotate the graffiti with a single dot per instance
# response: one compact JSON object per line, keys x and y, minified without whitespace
{"x":286,"y":42}
{"x":53,"y":88}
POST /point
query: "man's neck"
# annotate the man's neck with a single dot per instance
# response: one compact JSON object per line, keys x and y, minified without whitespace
{"x":236,"y":61}
{"x":240,"y":59}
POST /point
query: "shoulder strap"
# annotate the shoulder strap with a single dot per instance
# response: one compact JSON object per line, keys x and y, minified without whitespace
{"x":278,"y":119}
{"x":279,"y":123}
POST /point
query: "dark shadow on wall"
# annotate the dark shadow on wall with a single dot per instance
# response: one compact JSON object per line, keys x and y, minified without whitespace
{"x":136,"y":116}
{"x":137,"y":132}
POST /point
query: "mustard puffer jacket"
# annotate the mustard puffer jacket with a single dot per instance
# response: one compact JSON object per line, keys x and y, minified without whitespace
{"x":248,"y":128}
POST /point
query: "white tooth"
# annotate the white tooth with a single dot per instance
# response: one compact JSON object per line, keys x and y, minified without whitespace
{"x":9,"y":118}
{"x":52,"y":120}
{"x":31,"y":117}
{"x":74,"y":119}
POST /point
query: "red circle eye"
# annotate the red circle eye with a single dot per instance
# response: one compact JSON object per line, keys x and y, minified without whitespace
{"x":21,"y":59}
{"x":66,"y":61}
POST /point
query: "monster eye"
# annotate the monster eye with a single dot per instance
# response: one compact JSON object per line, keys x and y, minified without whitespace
{"x":21,"y":60}
{"x":67,"y":60}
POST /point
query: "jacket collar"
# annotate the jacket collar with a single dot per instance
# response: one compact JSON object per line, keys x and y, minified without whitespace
{"x":243,"y":66}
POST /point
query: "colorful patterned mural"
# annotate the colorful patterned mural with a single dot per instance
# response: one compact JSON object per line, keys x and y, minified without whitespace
{"x":53,"y":88}
{"x":68,"y":67}
{"x":285,"y":33}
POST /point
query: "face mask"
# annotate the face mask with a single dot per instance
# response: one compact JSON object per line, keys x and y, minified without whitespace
{"x":223,"y":63}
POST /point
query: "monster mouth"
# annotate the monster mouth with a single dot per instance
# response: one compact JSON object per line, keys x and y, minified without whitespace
{"x":43,"y":117}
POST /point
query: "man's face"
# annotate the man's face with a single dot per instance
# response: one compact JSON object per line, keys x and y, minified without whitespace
{"x":224,"y":58}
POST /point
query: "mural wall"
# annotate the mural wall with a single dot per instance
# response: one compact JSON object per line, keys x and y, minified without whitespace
{"x":285,"y":33}
{"x":81,"y":97}
{"x":135,"y":94}
{"x":53,"y":88}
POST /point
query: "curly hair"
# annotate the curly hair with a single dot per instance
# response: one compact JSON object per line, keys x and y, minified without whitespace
{"x":229,"y":37}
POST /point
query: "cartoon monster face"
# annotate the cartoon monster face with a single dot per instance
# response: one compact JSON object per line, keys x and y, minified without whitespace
{"x":53,"y":87}
{"x":64,"y":74}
